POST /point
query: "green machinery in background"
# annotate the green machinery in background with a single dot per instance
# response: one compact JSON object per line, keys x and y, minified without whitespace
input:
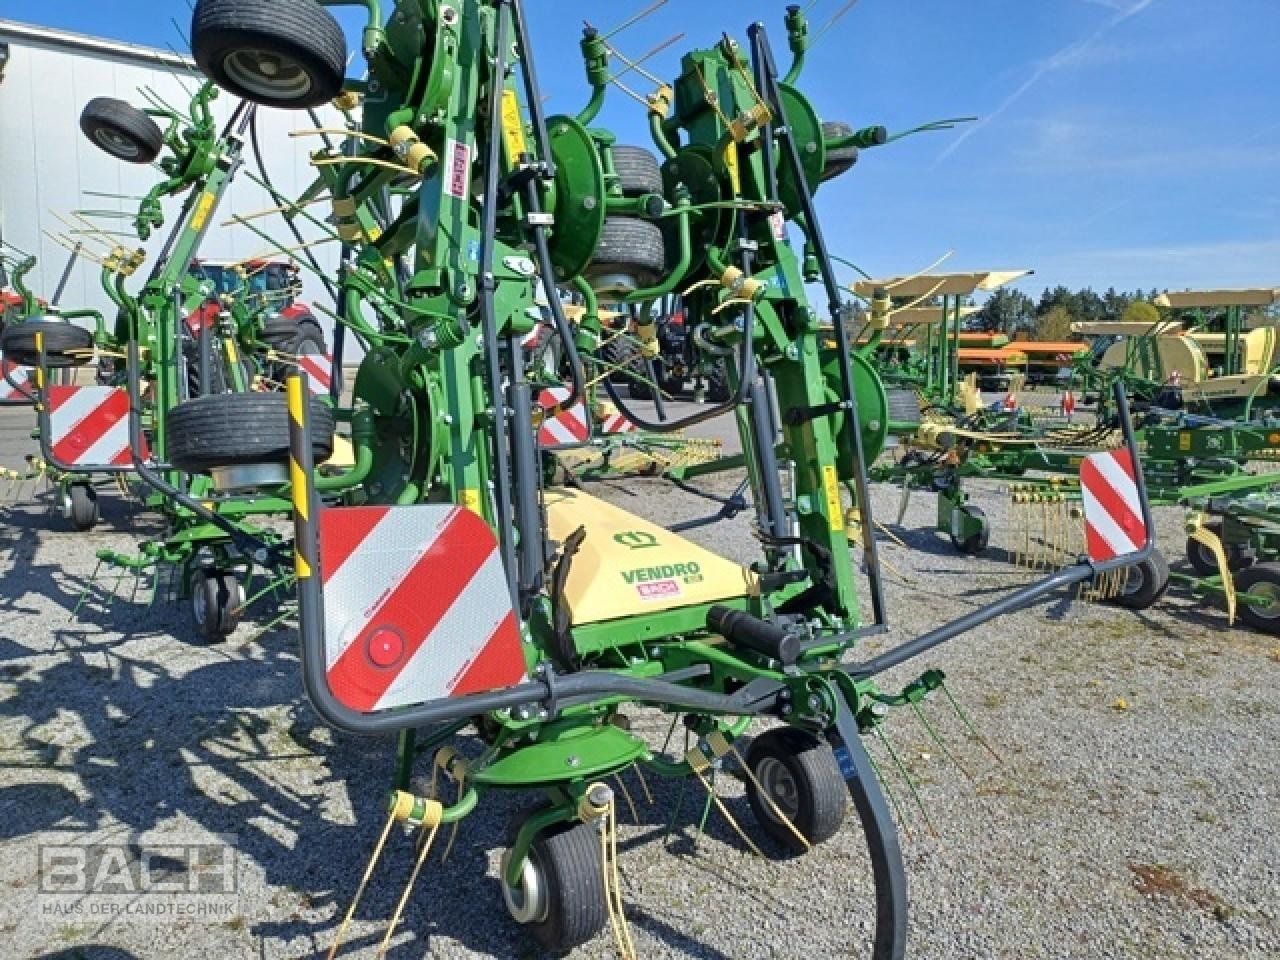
{"x":931,"y":365}
{"x":449,"y":583}
{"x":172,"y":343}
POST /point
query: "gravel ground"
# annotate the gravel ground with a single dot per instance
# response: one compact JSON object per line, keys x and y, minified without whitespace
{"x":1134,"y":813}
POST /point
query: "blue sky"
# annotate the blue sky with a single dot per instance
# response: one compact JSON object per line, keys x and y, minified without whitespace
{"x":1122,"y":142}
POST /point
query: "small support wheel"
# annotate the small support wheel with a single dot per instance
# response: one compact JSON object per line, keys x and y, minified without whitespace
{"x":800,"y":775}
{"x":1262,"y":580}
{"x":278,"y":53}
{"x":974,"y":541}
{"x":80,"y":506}
{"x":1205,"y":563}
{"x":217,"y":602}
{"x":1146,"y":583}
{"x":121,"y":130}
{"x":561,"y":895}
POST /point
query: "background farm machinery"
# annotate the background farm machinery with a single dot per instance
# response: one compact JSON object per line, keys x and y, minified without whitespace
{"x":185,"y":336}
{"x":447,"y":580}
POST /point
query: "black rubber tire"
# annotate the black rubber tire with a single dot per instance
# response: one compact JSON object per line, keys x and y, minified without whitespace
{"x":1204,"y":562}
{"x":840,"y":160}
{"x":1147,"y":583}
{"x":1267,"y":577}
{"x":567,"y":857}
{"x":643,"y":389}
{"x":718,"y":389}
{"x":975,"y":543}
{"x":904,"y":406}
{"x":230,"y":429}
{"x":18,"y":343}
{"x":616,"y":354}
{"x":817,"y":797}
{"x":302,"y":42}
{"x":637,"y":170}
{"x":217,"y":601}
{"x":82,"y":507}
{"x":121,"y":130}
{"x":279,"y":330}
{"x":629,"y":248}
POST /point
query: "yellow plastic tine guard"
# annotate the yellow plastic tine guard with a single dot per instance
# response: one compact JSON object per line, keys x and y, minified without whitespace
{"x":432,"y":811}
{"x":1202,"y":534}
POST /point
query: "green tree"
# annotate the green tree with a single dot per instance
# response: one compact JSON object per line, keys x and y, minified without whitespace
{"x":1006,"y":311}
{"x":1054,"y":324}
{"x":1140,"y":311}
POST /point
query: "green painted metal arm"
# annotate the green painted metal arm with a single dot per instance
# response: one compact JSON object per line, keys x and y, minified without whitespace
{"x":595,"y":57}
{"x":797,"y":41}
{"x":17,"y":279}
{"x":373,"y":36}
{"x":658,"y":131}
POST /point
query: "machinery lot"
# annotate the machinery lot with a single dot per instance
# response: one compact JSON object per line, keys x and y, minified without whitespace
{"x":1134,"y":814}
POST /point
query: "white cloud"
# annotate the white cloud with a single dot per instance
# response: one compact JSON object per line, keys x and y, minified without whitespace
{"x":1070,"y":55}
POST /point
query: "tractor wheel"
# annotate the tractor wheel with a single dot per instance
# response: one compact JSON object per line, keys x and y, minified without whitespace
{"x":841,"y":160}
{"x":278,"y":53}
{"x":616,"y":355}
{"x":80,"y":506}
{"x":800,"y":775}
{"x":1205,"y":563}
{"x":561,"y":895}
{"x":718,"y":389}
{"x":637,"y":170}
{"x":302,"y":337}
{"x":623,"y":356}
{"x":629,"y":257}
{"x":1263,"y":579}
{"x":18,"y":343}
{"x":217,"y":600}
{"x":975,"y":543}
{"x":121,"y":130}
{"x":643,"y":389}
{"x":1146,"y":583}
{"x":235,"y":429}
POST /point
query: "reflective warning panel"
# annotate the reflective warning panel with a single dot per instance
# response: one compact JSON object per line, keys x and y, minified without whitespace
{"x":1112,"y":506}
{"x":15,"y":382}
{"x":416,"y":606}
{"x":89,"y":426}
{"x":563,"y":426}
{"x":319,"y":370}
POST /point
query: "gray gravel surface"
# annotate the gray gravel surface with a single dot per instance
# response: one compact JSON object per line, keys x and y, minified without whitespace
{"x":1134,"y":813}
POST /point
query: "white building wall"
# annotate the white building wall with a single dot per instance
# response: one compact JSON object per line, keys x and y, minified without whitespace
{"x":48,"y":166}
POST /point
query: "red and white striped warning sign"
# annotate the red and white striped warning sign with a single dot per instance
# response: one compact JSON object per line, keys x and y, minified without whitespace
{"x":15,"y":382}
{"x":1112,"y":507}
{"x":416,"y":606}
{"x":89,"y":426}
{"x":319,"y":370}
{"x":565,"y":426}
{"x":615,"y":422}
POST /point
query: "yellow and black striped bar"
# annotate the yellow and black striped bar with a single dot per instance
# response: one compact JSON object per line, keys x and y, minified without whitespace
{"x":301,"y":465}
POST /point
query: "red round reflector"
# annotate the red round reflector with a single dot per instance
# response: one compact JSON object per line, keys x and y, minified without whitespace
{"x":385,"y":647}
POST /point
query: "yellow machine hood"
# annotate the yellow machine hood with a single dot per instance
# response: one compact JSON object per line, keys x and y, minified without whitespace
{"x":628,"y":566}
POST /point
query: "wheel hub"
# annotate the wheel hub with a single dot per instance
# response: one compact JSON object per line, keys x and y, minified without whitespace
{"x":779,"y":786}
{"x":527,"y":902}
{"x":1272,"y":593}
{"x":116,"y":143}
{"x":268,"y":74}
